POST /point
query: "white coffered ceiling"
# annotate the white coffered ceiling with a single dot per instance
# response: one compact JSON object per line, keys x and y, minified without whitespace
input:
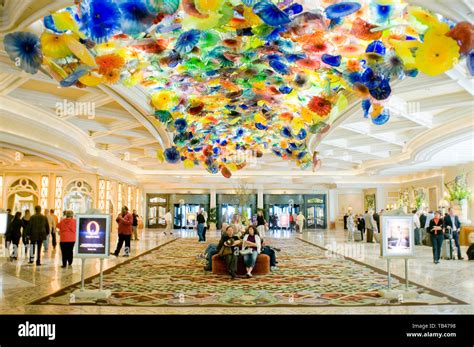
{"x":123,"y":138}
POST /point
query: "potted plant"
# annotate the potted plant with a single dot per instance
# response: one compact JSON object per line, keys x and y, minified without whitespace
{"x":459,"y":193}
{"x":212,"y":218}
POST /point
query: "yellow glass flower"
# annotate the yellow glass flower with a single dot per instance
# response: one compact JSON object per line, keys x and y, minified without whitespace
{"x":160,"y":155}
{"x":163,"y":100}
{"x":437,"y":55}
{"x":403,"y":50}
{"x":54,"y":46}
{"x":422,"y":16}
{"x":208,"y":6}
{"x":188,"y":164}
{"x":90,"y":80}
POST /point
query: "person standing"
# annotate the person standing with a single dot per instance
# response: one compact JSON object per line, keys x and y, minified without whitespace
{"x":292,"y":221}
{"x":370,"y":226}
{"x":261,"y":222}
{"x":67,"y":238}
{"x":37,"y":230}
{"x":436,"y":229}
{"x":168,"y":222}
{"x":200,"y":227}
{"x":350,"y":226}
{"x":135,"y":225}
{"x":50,"y":222}
{"x":125,"y":221}
{"x":377,"y":220}
{"x":451,"y":221}
{"x":204,"y":213}
{"x":422,"y":225}
{"x":24,"y":223}
{"x":361,"y":226}
{"x":13,"y":235}
{"x":54,"y":221}
{"x":300,"y":221}
{"x":416,"y":227}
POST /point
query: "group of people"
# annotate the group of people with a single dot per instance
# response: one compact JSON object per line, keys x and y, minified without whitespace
{"x":295,"y":221}
{"x":367,"y":223}
{"x":239,"y":241}
{"x":430,"y":228}
{"x":433,"y":228}
{"x":35,"y":232}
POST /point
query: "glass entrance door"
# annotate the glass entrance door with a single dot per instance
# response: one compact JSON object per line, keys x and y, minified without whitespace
{"x":279,"y":215}
{"x":185,"y":215}
{"x":316,"y":212}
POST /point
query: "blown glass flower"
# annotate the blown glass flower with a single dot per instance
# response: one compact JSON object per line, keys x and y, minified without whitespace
{"x":436,"y":55}
{"x":24,"y":50}
{"x":100,"y":19}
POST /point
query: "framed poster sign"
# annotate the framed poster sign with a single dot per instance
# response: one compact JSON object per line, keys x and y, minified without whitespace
{"x":3,"y":222}
{"x":397,"y":237}
{"x":93,"y":235}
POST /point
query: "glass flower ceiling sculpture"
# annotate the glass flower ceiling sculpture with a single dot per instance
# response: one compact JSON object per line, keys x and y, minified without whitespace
{"x":244,"y":75}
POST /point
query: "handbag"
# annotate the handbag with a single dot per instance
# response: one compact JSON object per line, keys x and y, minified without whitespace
{"x":224,"y":251}
{"x":246,"y":251}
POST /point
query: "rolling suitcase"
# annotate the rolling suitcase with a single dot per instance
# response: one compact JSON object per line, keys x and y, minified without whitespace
{"x":448,"y":247}
{"x":357,"y":235}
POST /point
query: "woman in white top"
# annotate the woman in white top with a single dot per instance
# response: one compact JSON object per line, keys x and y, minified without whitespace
{"x":350,"y":226}
{"x":300,"y":221}
{"x":251,"y":247}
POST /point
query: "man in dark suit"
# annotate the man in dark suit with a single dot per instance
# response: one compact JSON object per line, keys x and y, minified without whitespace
{"x":451,"y":221}
{"x":377,"y":220}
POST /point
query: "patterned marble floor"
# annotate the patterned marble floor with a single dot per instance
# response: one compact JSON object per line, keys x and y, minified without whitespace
{"x":21,"y":283}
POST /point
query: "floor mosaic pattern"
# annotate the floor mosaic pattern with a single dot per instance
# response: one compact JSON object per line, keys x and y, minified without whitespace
{"x":308,"y":276}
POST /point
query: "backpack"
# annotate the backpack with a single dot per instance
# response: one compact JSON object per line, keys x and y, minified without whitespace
{"x":470,"y":252}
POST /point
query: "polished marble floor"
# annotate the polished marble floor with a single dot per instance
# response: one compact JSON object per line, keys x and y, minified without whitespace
{"x":21,"y":283}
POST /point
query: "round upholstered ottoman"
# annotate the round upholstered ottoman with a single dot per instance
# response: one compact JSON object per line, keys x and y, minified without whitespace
{"x":262,"y":266}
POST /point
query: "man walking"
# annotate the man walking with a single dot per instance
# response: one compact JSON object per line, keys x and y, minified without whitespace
{"x":451,"y":221}
{"x":36,"y":231}
{"x":135,"y":225}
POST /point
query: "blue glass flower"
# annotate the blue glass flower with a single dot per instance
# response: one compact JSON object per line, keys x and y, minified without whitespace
{"x":366,"y":107}
{"x":270,"y":13}
{"x":180,"y":124}
{"x":341,"y":9}
{"x":135,"y":17}
{"x":301,"y":155}
{"x":179,"y":139}
{"x":470,"y":62}
{"x":260,"y":126}
{"x":411,"y":73}
{"x":164,"y":6}
{"x":370,"y":78}
{"x":213,"y":169}
{"x":285,"y":89}
{"x":276,"y":152}
{"x":354,"y":77}
{"x":172,"y":155}
{"x":24,"y":50}
{"x":376,"y":47}
{"x":286,"y":132}
{"x":302,"y":134}
{"x":291,"y":58}
{"x":74,"y":77}
{"x":216,"y":150}
{"x":381,"y":91}
{"x":279,"y":66}
{"x":239,"y":133}
{"x":173,"y":59}
{"x":381,"y":118}
{"x":293,"y":9}
{"x":382,"y":12}
{"x":187,"y":40}
{"x":100,"y":19}
{"x":333,"y":60}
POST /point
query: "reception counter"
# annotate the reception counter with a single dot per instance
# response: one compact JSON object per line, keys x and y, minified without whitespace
{"x":466,"y":237}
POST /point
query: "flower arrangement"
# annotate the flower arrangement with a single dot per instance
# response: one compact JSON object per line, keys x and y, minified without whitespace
{"x":458,"y":189}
